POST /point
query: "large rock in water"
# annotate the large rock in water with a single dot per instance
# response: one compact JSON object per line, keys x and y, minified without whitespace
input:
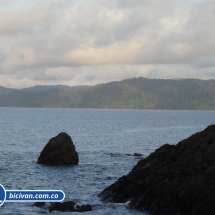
{"x":60,"y":150}
{"x":175,"y":179}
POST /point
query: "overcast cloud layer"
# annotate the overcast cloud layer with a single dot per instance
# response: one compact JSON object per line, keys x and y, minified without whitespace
{"x":78,"y":42}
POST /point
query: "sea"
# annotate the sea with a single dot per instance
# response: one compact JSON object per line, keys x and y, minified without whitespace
{"x":103,"y":140}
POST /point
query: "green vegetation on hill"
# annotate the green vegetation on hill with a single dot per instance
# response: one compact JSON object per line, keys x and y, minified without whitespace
{"x":4,"y":90}
{"x":135,"y":93}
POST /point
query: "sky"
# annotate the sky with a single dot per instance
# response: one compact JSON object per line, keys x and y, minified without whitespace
{"x":86,"y":42}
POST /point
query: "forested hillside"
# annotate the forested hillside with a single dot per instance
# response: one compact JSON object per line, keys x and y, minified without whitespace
{"x":135,"y":93}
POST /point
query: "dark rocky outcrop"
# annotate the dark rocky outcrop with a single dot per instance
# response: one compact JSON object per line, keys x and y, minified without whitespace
{"x":68,"y":206}
{"x":175,"y":179}
{"x":60,"y":150}
{"x":39,"y":204}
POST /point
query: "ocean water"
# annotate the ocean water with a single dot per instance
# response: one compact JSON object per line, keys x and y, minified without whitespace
{"x":102,"y":139}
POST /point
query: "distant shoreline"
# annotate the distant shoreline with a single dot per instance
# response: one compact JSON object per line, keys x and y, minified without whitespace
{"x":136,"y":93}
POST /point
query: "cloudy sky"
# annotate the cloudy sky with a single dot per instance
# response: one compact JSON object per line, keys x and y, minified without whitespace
{"x":76,"y":42}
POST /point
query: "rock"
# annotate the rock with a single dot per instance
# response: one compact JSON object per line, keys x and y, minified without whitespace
{"x":39,"y":204}
{"x":135,"y":154}
{"x":65,"y":206}
{"x":175,"y":179}
{"x":83,"y":208}
{"x":60,"y":150}
{"x":69,"y":206}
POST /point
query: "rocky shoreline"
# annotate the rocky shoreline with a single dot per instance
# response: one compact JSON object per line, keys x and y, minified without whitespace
{"x":68,"y":206}
{"x":175,"y":179}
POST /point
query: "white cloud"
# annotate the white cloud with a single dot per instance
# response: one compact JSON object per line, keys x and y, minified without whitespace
{"x":88,"y":42}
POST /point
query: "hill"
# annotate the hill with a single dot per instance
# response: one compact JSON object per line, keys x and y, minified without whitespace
{"x":39,"y":88}
{"x":135,"y":93}
{"x":4,"y":90}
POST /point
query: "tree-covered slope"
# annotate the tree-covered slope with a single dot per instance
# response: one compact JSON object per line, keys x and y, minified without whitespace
{"x":135,"y":93}
{"x":141,"y":93}
{"x":4,"y":90}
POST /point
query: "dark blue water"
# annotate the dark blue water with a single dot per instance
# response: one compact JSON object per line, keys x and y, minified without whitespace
{"x":102,"y":139}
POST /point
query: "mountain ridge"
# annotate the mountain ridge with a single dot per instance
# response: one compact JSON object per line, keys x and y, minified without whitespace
{"x":134,"y":93}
